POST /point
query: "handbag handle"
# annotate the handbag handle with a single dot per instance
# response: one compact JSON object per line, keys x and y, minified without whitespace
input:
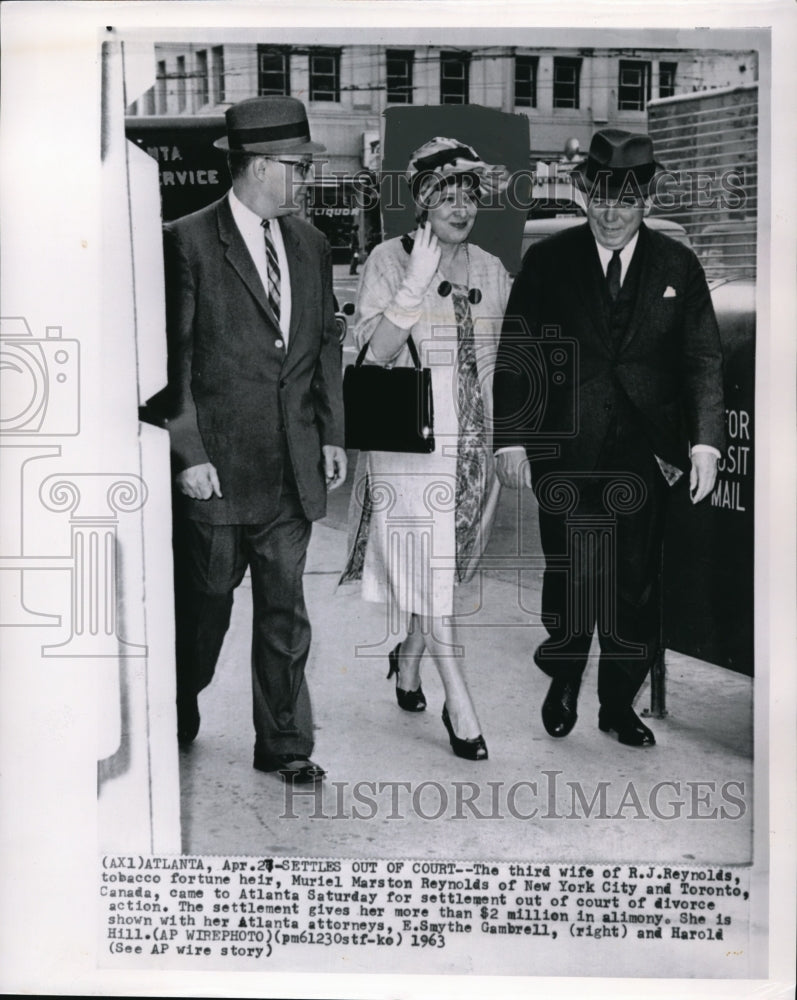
{"x":410,"y":343}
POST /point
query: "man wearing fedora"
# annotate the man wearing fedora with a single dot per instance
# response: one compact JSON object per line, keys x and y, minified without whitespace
{"x":608,"y":393}
{"x":256,"y":425}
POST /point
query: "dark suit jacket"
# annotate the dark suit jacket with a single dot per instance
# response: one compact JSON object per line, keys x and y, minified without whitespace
{"x":235,"y":396}
{"x":560,"y":377}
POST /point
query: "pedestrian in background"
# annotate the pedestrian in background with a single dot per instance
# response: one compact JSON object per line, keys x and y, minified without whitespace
{"x":354,"y":244}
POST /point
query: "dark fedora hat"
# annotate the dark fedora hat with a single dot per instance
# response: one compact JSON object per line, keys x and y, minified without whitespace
{"x":617,"y":159}
{"x":268,"y":125}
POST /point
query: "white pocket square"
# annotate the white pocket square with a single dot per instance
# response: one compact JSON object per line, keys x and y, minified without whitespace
{"x":669,"y":292}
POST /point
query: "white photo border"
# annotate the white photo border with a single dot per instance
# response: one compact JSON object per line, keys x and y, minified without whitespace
{"x":51,"y":81}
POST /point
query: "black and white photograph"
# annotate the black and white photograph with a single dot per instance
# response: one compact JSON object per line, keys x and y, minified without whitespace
{"x":398,"y":491}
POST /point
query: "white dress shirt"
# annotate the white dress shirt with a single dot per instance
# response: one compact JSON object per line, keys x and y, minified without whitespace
{"x":625,"y":256}
{"x":251,"y":230}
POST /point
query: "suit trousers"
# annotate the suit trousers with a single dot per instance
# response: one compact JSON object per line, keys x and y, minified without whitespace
{"x":210,"y":562}
{"x":603,"y":567}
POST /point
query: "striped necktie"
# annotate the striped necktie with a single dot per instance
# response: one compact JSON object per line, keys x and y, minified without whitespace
{"x":273,"y":268}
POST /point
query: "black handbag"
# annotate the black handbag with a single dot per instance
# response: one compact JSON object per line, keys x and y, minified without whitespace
{"x":389,"y":409}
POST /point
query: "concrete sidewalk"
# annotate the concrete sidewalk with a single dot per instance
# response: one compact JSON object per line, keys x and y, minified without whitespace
{"x":395,"y":789}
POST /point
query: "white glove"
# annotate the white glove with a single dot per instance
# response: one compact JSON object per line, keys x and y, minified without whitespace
{"x":407,"y":305}
{"x":423,"y":263}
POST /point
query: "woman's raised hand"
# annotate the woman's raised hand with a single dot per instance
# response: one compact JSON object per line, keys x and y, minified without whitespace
{"x":424,"y":259}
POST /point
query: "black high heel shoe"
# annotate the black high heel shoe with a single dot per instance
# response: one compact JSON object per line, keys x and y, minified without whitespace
{"x":473,"y":749}
{"x":410,"y":701}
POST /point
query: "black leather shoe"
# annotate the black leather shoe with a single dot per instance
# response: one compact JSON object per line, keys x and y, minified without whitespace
{"x":559,"y":708}
{"x":469,"y":749}
{"x":410,"y":701}
{"x":631,"y":731}
{"x":294,"y":768}
{"x":187,"y":720}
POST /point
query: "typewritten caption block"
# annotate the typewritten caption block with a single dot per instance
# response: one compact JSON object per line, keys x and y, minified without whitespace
{"x":190,"y":912}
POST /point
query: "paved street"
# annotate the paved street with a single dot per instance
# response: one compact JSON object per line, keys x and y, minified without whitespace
{"x":345,"y":284}
{"x":363,"y":737}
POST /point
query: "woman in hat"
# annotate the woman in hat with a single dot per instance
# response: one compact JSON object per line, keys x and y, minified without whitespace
{"x":418,"y":522}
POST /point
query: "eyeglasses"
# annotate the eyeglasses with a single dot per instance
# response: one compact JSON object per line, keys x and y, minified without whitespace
{"x":303,"y":167}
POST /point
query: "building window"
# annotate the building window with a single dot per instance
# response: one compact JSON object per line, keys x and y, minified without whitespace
{"x":399,"y":76}
{"x":160,"y":88}
{"x":203,"y":81}
{"x":667,"y":72}
{"x":454,"y":77}
{"x":180,"y":84}
{"x":273,"y":71}
{"x":566,"y":82}
{"x":325,"y":75}
{"x":526,"y":81}
{"x":633,"y":91}
{"x":219,"y":84}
